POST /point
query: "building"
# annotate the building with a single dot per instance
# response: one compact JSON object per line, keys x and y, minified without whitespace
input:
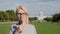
{"x":41,"y":16}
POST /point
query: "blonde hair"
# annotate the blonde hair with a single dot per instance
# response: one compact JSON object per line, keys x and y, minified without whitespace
{"x":23,"y":8}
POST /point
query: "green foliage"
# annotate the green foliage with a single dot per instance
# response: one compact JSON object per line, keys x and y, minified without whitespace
{"x":32,"y":18}
{"x":48,"y":19}
{"x":12,"y":14}
{"x":1,"y":15}
{"x":35,"y":18}
{"x":56,"y":17}
{"x":7,"y":15}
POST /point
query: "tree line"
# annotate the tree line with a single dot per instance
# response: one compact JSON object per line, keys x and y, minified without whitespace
{"x":54,"y":18}
{"x":8,"y":15}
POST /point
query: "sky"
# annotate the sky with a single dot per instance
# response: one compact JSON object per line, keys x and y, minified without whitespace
{"x":34,"y":7}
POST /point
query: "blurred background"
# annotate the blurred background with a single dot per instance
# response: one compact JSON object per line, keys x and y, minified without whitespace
{"x":43,"y":14}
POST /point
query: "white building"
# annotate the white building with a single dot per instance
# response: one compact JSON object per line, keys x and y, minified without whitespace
{"x":41,"y":16}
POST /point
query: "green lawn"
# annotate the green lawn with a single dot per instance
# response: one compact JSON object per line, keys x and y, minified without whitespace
{"x":41,"y":28}
{"x":47,"y":28}
{"x":4,"y":28}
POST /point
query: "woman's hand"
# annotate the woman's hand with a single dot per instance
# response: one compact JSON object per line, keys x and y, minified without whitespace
{"x":20,"y":27}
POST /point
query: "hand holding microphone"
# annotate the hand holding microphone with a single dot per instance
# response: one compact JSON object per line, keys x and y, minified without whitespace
{"x":18,"y":27}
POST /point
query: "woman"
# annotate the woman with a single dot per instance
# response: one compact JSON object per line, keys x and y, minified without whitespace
{"x":24,"y":27}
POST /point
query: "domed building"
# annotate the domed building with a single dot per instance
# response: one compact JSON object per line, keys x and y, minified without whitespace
{"x":41,"y":16}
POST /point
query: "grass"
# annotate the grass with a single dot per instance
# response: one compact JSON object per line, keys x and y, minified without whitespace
{"x":4,"y":28}
{"x":41,"y":28}
{"x":47,"y":28}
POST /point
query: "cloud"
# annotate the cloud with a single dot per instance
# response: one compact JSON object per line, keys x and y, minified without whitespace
{"x":47,"y":3}
{"x":34,"y":6}
{"x":48,"y":8}
{"x":46,"y":0}
{"x":42,"y":0}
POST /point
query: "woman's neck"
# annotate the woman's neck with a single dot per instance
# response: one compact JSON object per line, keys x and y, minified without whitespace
{"x":25,"y":23}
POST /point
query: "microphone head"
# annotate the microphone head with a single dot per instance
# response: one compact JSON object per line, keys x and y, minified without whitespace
{"x":20,"y":22}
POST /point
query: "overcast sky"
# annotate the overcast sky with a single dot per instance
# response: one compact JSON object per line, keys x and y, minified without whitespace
{"x":48,"y":7}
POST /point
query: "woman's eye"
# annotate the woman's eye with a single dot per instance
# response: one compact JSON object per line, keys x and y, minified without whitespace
{"x":20,"y":13}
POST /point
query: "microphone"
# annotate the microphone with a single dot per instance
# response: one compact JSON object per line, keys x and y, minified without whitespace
{"x":15,"y":27}
{"x":20,"y":22}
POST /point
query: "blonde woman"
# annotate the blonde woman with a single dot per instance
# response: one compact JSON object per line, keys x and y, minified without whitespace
{"x":24,"y":27}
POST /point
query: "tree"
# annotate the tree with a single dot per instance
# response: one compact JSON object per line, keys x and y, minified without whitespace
{"x":56,"y":17}
{"x":31,"y":19}
{"x":35,"y":18}
{"x":48,"y":18}
{"x":1,"y":16}
{"x":7,"y":15}
{"x":12,"y":14}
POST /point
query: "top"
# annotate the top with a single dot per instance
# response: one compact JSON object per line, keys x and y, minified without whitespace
{"x":30,"y":29}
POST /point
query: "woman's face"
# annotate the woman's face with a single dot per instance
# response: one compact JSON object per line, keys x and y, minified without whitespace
{"x":21,"y":15}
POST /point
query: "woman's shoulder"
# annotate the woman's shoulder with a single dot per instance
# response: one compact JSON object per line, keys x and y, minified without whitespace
{"x":30,"y":26}
{"x":30,"y":29}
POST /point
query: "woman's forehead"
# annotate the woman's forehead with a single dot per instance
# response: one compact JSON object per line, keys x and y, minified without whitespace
{"x":20,"y":11}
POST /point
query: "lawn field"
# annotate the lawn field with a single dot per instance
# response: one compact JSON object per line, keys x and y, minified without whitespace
{"x":4,"y":28}
{"x":41,"y":28}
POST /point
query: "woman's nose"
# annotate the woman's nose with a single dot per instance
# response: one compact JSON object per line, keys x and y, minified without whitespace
{"x":20,"y":16}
